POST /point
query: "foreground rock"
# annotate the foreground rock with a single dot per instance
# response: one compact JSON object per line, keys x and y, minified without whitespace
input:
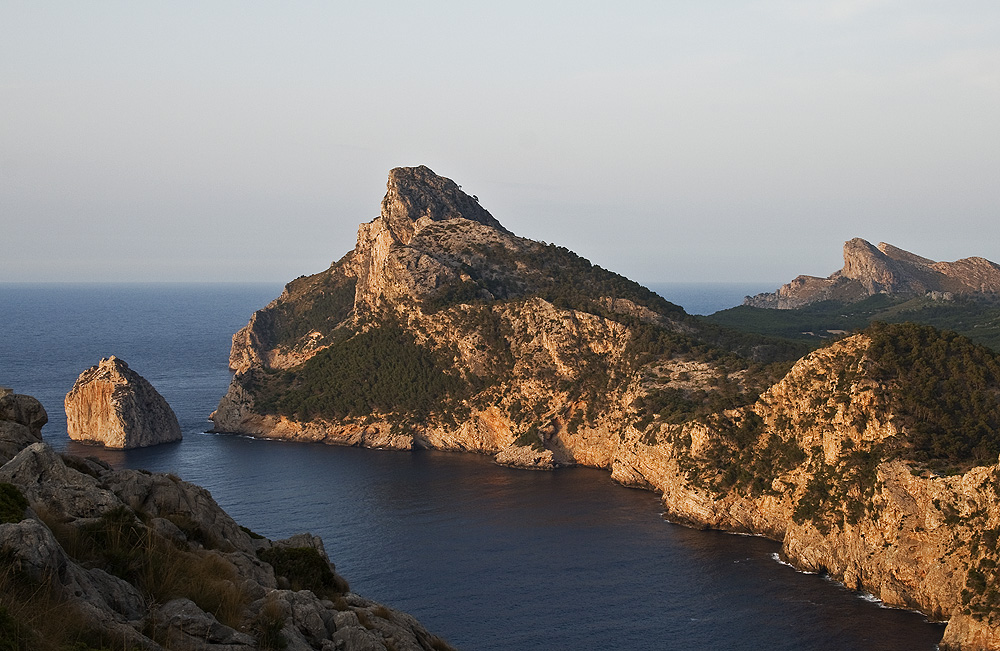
{"x":21,"y":421}
{"x":114,"y":406}
{"x":129,"y":559}
{"x":884,"y":270}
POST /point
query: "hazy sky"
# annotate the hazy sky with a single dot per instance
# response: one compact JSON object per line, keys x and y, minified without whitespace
{"x":676,"y":140}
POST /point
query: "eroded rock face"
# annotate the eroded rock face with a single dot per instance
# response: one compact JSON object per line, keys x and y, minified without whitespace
{"x":886,"y":269}
{"x":114,"y":406}
{"x":835,"y":496}
{"x":21,"y":421}
{"x":464,"y":287}
{"x":416,"y":193}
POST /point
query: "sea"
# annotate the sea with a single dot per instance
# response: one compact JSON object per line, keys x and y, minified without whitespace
{"x":487,"y":557}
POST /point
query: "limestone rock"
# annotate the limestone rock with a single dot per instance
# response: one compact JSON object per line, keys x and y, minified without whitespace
{"x":140,"y":559}
{"x":21,"y":421}
{"x":112,"y":405}
{"x":52,"y":486}
{"x":884,"y":270}
{"x":186,"y":627}
{"x":416,"y":193}
{"x":24,"y":410}
{"x":525,"y":457}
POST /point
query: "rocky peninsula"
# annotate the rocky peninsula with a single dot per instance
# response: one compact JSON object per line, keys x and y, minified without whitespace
{"x":93,"y":558}
{"x":873,"y":459}
{"x":112,"y":405}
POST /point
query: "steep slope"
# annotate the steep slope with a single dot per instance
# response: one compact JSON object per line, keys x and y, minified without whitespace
{"x":887,"y":269}
{"x":442,"y":329}
{"x":873,"y":460}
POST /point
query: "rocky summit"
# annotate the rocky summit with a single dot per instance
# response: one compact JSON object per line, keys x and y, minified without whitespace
{"x":112,"y":405}
{"x":874,"y":459}
{"x":442,"y":329}
{"x":884,"y":270}
{"x":93,"y":558}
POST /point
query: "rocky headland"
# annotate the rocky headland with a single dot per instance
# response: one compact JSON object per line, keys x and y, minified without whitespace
{"x":95,"y":559}
{"x":112,"y":405}
{"x":873,"y":459}
{"x":886,"y":269}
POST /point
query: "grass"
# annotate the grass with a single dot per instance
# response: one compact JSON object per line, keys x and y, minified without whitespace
{"x":35,"y":617}
{"x":123,"y":546}
{"x":977,"y":318}
{"x":268,"y":624}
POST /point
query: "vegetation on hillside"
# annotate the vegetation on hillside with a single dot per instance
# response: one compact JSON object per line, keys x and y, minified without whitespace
{"x":552,"y":272}
{"x":944,"y":390}
{"x":380,"y":370}
{"x":319,"y":303}
{"x":978,"y":318}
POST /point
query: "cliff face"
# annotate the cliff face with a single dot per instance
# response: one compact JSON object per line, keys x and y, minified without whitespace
{"x":822,"y":463}
{"x":113,"y":405}
{"x":884,"y":270}
{"x":129,"y":559}
{"x":446,"y":331}
{"x":528,"y":346}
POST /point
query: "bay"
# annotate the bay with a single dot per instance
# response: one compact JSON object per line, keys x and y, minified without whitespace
{"x":485,"y":556}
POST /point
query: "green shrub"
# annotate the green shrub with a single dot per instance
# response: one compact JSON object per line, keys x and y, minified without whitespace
{"x":530,"y":438}
{"x":252,"y":534}
{"x":12,"y":503}
{"x":304,"y":569}
{"x":944,"y":392}
{"x":379,"y":370}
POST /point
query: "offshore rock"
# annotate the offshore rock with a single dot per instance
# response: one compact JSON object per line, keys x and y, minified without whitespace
{"x":886,"y":269}
{"x":114,"y":406}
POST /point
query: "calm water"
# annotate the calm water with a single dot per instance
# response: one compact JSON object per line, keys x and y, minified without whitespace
{"x":707,"y":298}
{"x":487,"y":557}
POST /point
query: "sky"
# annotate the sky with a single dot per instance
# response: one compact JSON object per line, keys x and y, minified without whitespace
{"x":671,"y":141}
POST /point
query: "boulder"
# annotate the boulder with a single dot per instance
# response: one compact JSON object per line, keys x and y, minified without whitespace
{"x":24,"y":410}
{"x":112,"y":405}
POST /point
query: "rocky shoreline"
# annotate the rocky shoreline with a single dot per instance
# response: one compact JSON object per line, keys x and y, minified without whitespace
{"x":136,"y":560}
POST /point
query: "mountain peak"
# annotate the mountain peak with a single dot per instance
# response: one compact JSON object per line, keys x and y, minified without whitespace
{"x":885,"y":269}
{"x":417,"y":193}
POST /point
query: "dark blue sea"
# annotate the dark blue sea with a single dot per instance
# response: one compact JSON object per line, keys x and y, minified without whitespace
{"x":489,"y":558}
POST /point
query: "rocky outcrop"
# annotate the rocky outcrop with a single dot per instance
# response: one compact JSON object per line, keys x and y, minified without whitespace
{"x":887,"y":269}
{"x":146,"y":561}
{"x":112,"y":405}
{"x":21,"y":421}
{"x":517,"y":327}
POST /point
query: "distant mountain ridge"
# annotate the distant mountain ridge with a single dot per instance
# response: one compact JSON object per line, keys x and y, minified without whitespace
{"x":886,"y":269}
